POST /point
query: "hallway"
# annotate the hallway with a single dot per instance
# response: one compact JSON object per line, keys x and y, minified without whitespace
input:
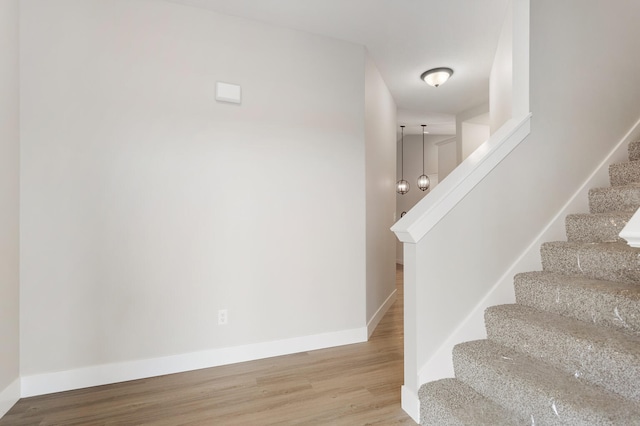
{"x":349,"y":385}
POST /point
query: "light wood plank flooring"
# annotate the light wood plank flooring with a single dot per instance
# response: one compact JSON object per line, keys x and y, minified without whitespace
{"x":349,"y":385}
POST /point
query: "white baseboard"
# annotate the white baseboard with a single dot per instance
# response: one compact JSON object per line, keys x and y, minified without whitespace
{"x":440,"y":365}
{"x":375,"y":320}
{"x":41,"y":384}
{"x":410,"y":403}
{"x":9,"y":396}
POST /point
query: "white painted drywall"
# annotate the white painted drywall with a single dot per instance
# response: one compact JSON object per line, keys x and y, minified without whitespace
{"x":473,"y":135}
{"x":575,"y":124}
{"x":147,"y":205}
{"x":9,"y":204}
{"x":380,"y":168}
{"x":447,"y":157}
{"x":476,"y":114}
{"x":501,"y":77}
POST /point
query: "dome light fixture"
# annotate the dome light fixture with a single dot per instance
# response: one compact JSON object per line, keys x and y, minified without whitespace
{"x":437,"y":76}
{"x":423,"y":181}
{"x":402,"y":186}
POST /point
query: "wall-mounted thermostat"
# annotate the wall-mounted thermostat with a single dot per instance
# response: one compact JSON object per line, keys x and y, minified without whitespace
{"x":226,"y":92}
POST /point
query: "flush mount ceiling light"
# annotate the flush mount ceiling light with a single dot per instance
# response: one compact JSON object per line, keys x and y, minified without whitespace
{"x":436,"y":76}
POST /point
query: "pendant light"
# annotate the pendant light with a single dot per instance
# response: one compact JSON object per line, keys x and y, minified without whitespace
{"x":402,"y":187}
{"x":423,"y":180}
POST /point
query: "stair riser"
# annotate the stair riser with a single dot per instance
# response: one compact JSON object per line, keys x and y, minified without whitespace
{"x":584,"y":304}
{"x":592,"y":263}
{"x":585,"y":357}
{"x":624,"y":173}
{"x":432,"y":413}
{"x":634,"y":151}
{"x":450,"y":402}
{"x":589,"y":228}
{"x":614,"y":199}
{"x":515,"y":391}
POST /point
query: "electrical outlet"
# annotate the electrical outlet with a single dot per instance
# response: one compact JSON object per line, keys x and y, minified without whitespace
{"x":223,"y":317}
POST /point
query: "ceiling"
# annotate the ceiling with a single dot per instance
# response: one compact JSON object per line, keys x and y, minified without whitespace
{"x":404,"y":38}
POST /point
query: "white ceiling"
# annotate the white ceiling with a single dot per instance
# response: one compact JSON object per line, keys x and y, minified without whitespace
{"x":404,"y":38}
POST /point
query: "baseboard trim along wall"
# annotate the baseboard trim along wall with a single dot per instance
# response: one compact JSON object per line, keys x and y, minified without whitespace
{"x":9,"y":396}
{"x":377,"y":317}
{"x":410,"y":403}
{"x":41,"y":384}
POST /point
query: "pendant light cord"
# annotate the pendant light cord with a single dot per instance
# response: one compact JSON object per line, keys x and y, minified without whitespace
{"x":402,"y":153}
{"x":423,"y":126}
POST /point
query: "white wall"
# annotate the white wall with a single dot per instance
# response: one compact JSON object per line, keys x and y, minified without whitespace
{"x":9,"y":205}
{"x":473,"y":135}
{"x":576,"y":123}
{"x":501,"y":77}
{"x":476,"y":115}
{"x":380,"y":167}
{"x":447,"y":157}
{"x":147,"y":206}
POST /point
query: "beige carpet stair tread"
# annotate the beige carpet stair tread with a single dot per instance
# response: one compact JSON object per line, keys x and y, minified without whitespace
{"x":603,"y":261}
{"x":615,"y":198}
{"x":451,"y":402}
{"x":634,"y":151}
{"x":605,"y":303}
{"x":624,"y":173}
{"x":548,"y":395}
{"x":596,"y":227}
{"x":608,"y":358}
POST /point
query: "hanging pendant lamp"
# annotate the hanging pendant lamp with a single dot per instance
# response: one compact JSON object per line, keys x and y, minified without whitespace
{"x":402,"y":186}
{"x":423,"y":180}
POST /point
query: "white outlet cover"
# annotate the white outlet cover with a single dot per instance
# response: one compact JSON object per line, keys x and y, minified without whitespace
{"x":227,"y":92}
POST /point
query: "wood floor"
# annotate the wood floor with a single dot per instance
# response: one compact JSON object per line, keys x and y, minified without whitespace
{"x":349,"y":385}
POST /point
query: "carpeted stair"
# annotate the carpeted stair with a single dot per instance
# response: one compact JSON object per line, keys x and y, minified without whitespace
{"x":568,"y":351}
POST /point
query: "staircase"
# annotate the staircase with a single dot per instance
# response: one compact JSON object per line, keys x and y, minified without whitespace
{"x":568,"y":351}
